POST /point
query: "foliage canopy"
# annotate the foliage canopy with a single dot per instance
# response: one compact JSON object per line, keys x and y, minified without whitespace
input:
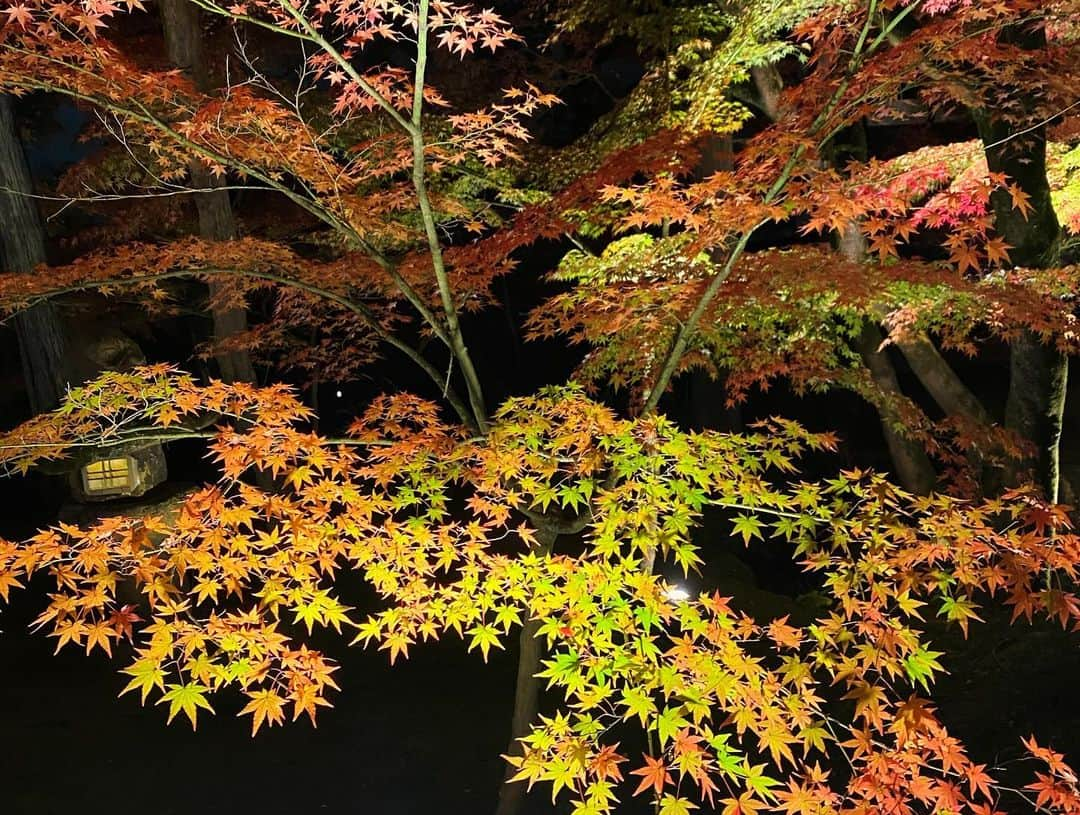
{"x":420,"y":204}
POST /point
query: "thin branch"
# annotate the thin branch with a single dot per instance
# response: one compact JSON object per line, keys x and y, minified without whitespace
{"x":419,"y":177}
{"x":357,"y":308}
{"x":687,"y":329}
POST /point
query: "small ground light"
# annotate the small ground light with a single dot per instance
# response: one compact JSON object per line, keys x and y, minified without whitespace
{"x":677,"y":594}
{"x":337,"y":394}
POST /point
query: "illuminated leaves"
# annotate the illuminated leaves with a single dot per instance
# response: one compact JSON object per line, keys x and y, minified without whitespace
{"x":654,"y":776}
{"x":187,"y":699}
{"x":484,"y":637}
{"x":425,"y":513}
{"x":789,"y":313}
{"x":265,"y":706}
{"x":147,"y":674}
{"x":452,"y":530}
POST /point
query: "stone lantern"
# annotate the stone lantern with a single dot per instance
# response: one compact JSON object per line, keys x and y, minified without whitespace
{"x":113,"y":471}
{"x":121,"y":471}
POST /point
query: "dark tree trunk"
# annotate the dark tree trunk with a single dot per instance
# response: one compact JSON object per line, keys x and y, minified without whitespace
{"x":707,"y":394}
{"x":913,"y":467}
{"x":1036,"y":405}
{"x":526,"y":693}
{"x":1038,"y":373}
{"x":953,"y":397}
{"x":42,"y":344}
{"x":216,"y":223}
{"x":183,"y":39}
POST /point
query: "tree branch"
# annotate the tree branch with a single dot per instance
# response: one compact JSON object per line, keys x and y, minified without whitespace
{"x":355,"y":307}
{"x":419,"y":176}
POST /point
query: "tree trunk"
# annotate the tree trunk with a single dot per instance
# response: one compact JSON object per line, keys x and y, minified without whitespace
{"x":769,"y":85}
{"x":913,"y":467}
{"x":526,"y":693}
{"x":1038,"y":373}
{"x":1036,"y":406}
{"x":42,"y":343}
{"x":183,"y":39}
{"x":941,"y":381}
{"x":216,"y":223}
{"x":708,"y":395}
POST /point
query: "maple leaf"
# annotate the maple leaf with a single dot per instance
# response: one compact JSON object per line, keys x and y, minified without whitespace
{"x":8,"y":581}
{"x":669,"y":723}
{"x":605,"y":764}
{"x":784,"y":635}
{"x":776,"y":739}
{"x":921,"y":664}
{"x":748,"y":527}
{"x":265,"y":706}
{"x":484,"y":637}
{"x":745,"y":804}
{"x":959,"y":610}
{"x":19,"y":15}
{"x":397,"y":642}
{"x":187,"y":698}
{"x":1021,"y":200}
{"x":638,"y":703}
{"x":122,"y":621}
{"x":868,"y":703}
{"x":654,"y":776}
{"x":798,"y":799}
{"x":675,"y":805}
{"x":100,"y":633}
{"x":997,"y":251}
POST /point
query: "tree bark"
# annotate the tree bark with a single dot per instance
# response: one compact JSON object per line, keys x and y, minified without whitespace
{"x":941,"y":381}
{"x":526,"y":693}
{"x":913,"y":467}
{"x":1038,"y":376}
{"x":769,"y":85}
{"x":42,"y":342}
{"x":1038,"y":373}
{"x":183,"y":40}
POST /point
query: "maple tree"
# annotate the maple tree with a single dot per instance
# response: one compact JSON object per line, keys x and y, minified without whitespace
{"x":454,"y":521}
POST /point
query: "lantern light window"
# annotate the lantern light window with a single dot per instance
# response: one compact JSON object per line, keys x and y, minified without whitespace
{"x":109,"y":476}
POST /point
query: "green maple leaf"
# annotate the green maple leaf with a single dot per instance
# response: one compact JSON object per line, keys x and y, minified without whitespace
{"x":562,"y":669}
{"x":671,"y":805}
{"x":147,"y":673}
{"x":729,"y":760}
{"x":921,"y":664}
{"x":774,"y":458}
{"x":786,"y":528}
{"x":758,"y":781}
{"x":749,"y":527}
{"x":484,"y":637}
{"x":507,"y":616}
{"x":646,"y":618}
{"x":670,"y":722}
{"x":686,"y":556}
{"x":187,"y":698}
{"x":638,"y":703}
{"x":959,"y":610}
{"x":571,"y":496}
